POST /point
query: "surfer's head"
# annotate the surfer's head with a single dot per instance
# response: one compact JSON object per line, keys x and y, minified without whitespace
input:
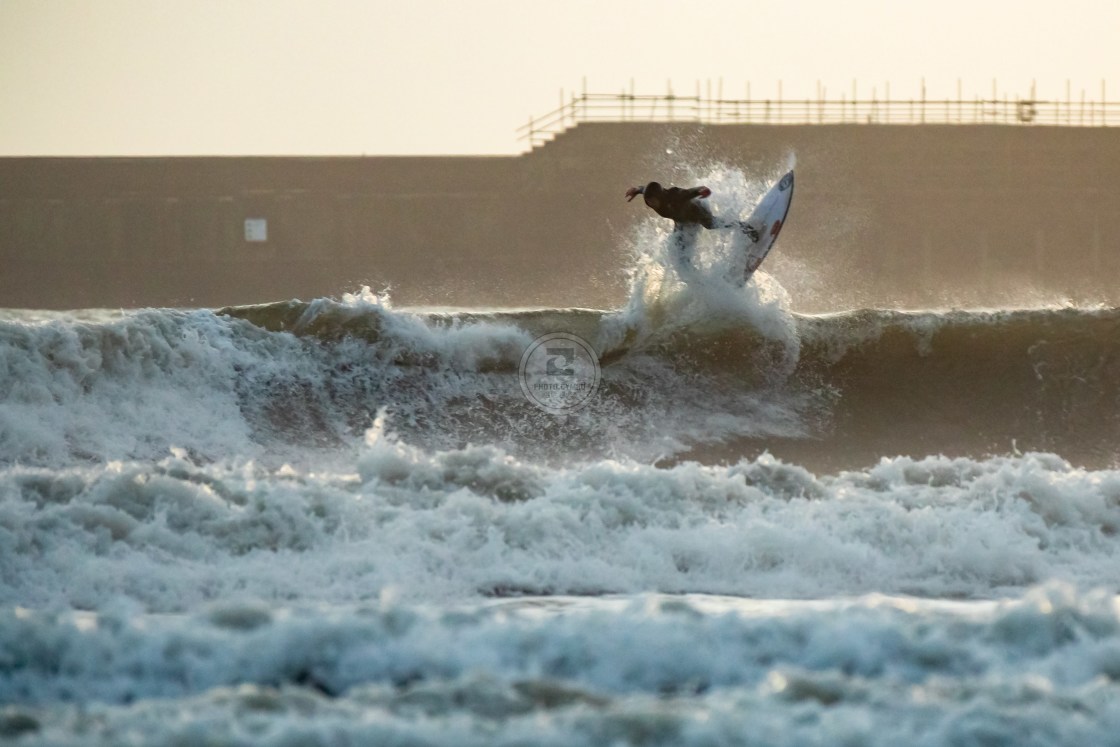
{"x":653,"y":189}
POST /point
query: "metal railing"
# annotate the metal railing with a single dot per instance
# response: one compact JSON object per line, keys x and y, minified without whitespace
{"x":697,"y":109}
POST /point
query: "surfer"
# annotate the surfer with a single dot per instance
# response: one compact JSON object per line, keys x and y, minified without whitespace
{"x":683,"y":208}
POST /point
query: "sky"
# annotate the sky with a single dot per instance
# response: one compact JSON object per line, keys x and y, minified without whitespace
{"x":347,"y":77}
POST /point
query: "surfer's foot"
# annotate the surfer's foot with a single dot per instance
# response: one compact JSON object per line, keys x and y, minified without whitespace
{"x":751,"y":232}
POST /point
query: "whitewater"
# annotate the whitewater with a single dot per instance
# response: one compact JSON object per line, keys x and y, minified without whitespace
{"x":336,"y":522}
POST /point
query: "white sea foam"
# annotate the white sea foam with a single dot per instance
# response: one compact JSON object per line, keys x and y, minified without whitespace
{"x":450,"y":525}
{"x":649,"y":670}
{"x":106,"y":390}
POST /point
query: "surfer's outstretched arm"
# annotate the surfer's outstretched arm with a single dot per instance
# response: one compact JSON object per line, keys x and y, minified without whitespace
{"x":697,"y":192}
{"x":634,"y":192}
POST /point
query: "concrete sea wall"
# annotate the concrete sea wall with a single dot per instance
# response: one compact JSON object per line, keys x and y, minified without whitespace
{"x":884,"y":215}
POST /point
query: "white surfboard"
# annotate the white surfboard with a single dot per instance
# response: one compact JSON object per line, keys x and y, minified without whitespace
{"x":768,"y":218}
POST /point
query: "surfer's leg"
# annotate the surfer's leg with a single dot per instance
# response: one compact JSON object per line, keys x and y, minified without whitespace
{"x":681,"y":242}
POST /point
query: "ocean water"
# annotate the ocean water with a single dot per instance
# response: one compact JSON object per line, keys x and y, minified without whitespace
{"x":337,"y":522}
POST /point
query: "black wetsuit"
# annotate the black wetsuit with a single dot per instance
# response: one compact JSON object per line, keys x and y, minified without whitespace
{"x":678,"y":204}
{"x":681,"y":206}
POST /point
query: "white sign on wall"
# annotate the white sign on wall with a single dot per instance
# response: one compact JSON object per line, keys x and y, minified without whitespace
{"x":256,"y":229}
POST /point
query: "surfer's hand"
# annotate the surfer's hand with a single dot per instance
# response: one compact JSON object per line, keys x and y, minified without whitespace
{"x":632,"y":193}
{"x":705,"y":192}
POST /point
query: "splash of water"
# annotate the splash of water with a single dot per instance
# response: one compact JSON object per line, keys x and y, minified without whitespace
{"x":668,"y":297}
